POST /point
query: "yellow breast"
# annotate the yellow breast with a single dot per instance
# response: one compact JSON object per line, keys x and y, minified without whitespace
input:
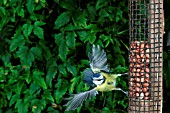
{"x":109,"y":84}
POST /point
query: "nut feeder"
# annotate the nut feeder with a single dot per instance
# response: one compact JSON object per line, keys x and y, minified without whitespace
{"x":145,"y":57}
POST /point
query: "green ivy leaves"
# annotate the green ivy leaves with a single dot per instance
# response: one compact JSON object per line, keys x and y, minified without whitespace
{"x":63,"y":19}
{"x":25,"y":55}
{"x":44,"y":47}
{"x":63,"y":50}
{"x":71,"y":39}
{"x":14,"y":98}
{"x":38,"y":31}
{"x":17,"y":42}
{"x":27,"y":29}
{"x":38,"y":79}
{"x":30,"y":6}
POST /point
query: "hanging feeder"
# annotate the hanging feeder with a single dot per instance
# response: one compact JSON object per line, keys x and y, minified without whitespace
{"x":145,"y":58}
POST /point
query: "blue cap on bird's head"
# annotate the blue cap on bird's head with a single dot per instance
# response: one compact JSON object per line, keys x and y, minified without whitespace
{"x":96,"y":75}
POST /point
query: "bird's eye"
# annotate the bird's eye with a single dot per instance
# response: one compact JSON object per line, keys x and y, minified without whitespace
{"x":99,"y":79}
{"x":109,"y":83}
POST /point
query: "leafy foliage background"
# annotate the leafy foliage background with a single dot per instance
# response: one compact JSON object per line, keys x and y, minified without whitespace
{"x":43,"y":52}
{"x":44,"y":46}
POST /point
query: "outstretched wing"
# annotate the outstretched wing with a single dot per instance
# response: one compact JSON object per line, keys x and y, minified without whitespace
{"x":98,"y":60}
{"x":78,"y":99}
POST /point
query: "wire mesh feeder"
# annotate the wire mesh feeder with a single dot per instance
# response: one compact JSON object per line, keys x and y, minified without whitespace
{"x":146,"y":44}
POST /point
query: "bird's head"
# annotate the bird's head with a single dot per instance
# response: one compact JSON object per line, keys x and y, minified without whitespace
{"x":98,"y":79}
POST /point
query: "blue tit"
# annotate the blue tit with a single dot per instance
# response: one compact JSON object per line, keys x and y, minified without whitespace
{"x":98,"y":77}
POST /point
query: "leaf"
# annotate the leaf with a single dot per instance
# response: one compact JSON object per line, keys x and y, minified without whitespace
{"x":121,"y":60}
{"x":116,"y":41}
{"x":83,"y":36}
{"x":119,"y":13}
{"x":107,"y":110}
{"x":25,"y":55}
{"x":103,"y":13}
{"x":80,"y":20}
{"x":72,"y":69}
{"x":70,"y":39}
{"x":29,"y":98}
{"x":59,"y":83}
{"x":51,"y":73}
{"x":94,"y":28}
{"x":21,"y":12}
{"x":85,"y":62}
{"x":27,"y":29}
{"x":63,"y":19}
{"x":30,"y":6}
{"x":2,"y":10}
{"x":6,"y":57}
{"x":16,"y":42}
{"x":28,"y":77}
{"x":9,"y":94}
{"x":101,"y":3}
{"x":37,"y":52}
{"x":92,"y":12}
{"x":47,"y":95}
{"x":35,"y":17}
{"x":38,"y":79}
{"x":19,"y":87}
{"x":58,"y":37}
{"x":117,"y":18}
{"x":52,"y":110}
{"x":74,"y":81}
{"x":120,"y":69}
{"x":14,"y":98}
{"x":69,"y":5}
{"x":39,"y":23}
{"x":59,"y":94}
{"x":91,"y":37}
{"x":38,"y":105}
{"x":63,"y":50}
{"x":39,"y":32}
{"x":22,"y":108}
{"x":46,"y":50}
{"x":33,"y":88}
{"x":62,"y":70}
{"x":99,"y":42}
{"x":70,"y":27}
{"x":107,"y":43}
{"x":61,"y":89}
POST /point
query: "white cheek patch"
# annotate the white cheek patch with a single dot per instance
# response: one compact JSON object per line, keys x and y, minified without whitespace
{"x":99,"y":80}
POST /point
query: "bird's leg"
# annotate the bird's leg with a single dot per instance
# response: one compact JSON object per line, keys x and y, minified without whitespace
{"x":126,"y":92}
{"x":104,"y":101}
{"x":122,"y":74}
